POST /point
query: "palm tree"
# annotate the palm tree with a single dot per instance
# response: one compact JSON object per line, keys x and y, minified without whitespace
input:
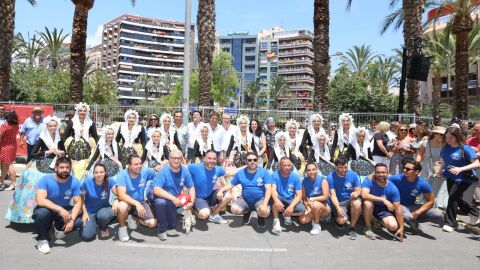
{"x":53,"y":45}
{"x":253,"y":88}
{"x":28,"y":50}
{"x":461,"y":23}
{"x":384,"y":71}
{"x":167,"y":83}
{"x":277,"y":87}
{"x":7,"y":25}
{"x":147,"y":83}
{"x":358,"y":58}
{"x":77,"y":47}
{"x":206,"y":47}
{"x":321,"y":45}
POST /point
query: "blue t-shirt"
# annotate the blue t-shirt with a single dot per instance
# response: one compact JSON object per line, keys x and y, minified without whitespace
{"x":313,"y":188}
{"x":253,"y":185}
{"x":60,"y":193}
{"x":409,"y":191}
{"x":95,"y":196}
{"x":286,"y":187}
{"x":204,"y":180}
{"x":453,"y":156}
{"x":343,"y":186}
{"x":389,"y":192}
{"x":31,"y":130}
{"x":173,"y":182}
{"x":136,"y":186}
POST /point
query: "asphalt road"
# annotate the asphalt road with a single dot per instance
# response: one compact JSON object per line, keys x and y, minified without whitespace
{"x":232,"y":246}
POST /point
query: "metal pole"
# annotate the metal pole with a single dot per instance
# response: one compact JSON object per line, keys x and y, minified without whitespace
{"x":186,"y":62}
{"x":401,"y":93}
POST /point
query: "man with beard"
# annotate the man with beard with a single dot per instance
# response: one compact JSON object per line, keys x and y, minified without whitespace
{"x":382,"y":201}
{"x":53,"y":197}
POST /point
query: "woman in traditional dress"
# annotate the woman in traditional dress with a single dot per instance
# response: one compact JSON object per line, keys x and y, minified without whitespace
{"x":344,"y":136}
{"x":156,"y":151}
{"x":241,"y":142}
{"x":131,"y":137}
{"x":107,"y":153}
{"x":48,"y":147}
{"x":203,"y":142}
{"x":320,"y":154}
{"x":153,"y":123}
{"x":294,"y":140}
{"x":280,"y":149}
{"x":260,"y":141}
{"x":429,"y":156}
{"x":80,"y":139}
{"x":169,"y":134}
{"x":314,"y":128}
{"x":360,"y":155}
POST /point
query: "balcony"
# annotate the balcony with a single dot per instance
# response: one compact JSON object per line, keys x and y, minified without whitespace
{"x":296,"y":53}
{"x":297,"y":61}
{"x":296,"y":44}
{"x":284,"y":71}
{"x":298,"y":79}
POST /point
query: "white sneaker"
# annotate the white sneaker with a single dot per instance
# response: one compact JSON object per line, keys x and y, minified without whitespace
{"x":277,"y":229}
{"x":123,"y":234}
{"x":193,"y":220}
{"x":288,"y":221}
{"x":59,"y":234}
{"x":43,"y":247}
{"x":447,"y":228}
{"x":132,"y":223}
{"x":162,"y":236}
{"x":217,"y":219}
{"x":474,"y":220}
{"x":316,"y":229}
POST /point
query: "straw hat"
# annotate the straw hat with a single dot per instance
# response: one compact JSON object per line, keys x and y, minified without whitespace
{"x":439,"y":130}
{"x":37,"y":109}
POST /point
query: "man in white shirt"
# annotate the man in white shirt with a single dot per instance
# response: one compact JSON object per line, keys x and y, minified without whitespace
{"x":226,"y":132}
{"x":192,"y":132}
{"x":182,"y":131}
{"x":217,"y":133}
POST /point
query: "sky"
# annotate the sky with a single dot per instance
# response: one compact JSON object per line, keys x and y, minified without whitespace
{"x":361,"y":25}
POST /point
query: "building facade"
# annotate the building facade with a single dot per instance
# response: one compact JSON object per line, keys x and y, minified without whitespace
{"x":133,"y":45}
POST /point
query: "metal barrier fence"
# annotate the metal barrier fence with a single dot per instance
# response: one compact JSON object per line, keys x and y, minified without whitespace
{"x":108,"y":114}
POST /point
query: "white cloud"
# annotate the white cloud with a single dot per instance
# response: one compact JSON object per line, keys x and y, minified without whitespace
{"x":96,"y":39}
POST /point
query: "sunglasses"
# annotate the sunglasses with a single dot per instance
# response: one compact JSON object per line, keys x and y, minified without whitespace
{"x":408,"y":169}
{"x":154,"y":119}
{"x":252,"y":160}
{"x":402,"y":129}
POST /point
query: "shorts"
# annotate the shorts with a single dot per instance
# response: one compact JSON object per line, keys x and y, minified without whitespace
{"x":381,"y":212}
{"x":345,"y":206}
{"x":241,"y":203}
{"x":298,"y":209}
{"x":148,"y":211}
{"x":201,"y":203}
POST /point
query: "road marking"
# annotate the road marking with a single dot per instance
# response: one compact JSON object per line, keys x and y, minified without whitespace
{"x":203,"y":248}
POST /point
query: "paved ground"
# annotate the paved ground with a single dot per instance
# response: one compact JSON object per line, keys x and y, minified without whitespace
{"x":232,"y":246}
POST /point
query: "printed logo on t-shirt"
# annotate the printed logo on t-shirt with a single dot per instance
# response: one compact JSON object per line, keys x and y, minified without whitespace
{"x":141,"y":183}
{"x":182,"y":181}
{"x":456,"y":156}
{"x":348,"y":186}
{"x":414,"y":192}
{"x":103,"y":196}
{"x":316,"y":190}
{"x":259,"y":182}
{"x":290,"y":187}
{"x":68,"y":194}
{"x":214,"y":179}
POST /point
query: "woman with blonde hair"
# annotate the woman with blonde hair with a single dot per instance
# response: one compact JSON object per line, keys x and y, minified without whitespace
{"x":107,"y":153}
{"x":380,"y":153}
{"x":402,"y":148}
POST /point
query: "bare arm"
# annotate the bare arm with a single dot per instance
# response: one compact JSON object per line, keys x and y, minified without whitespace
{"x":399,"y":217}
{"x":124,"y":197}
{"x":264,"y":145}
{"x":430,"y":201}
{"x":421,"y":154}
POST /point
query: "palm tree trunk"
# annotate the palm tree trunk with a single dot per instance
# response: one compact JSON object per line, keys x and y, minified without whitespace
{"x":7,"y":23}
{"x":412,"y":27}
{"x":206,"y":47}
{"x":437,"y":87}
{"x":321,"y":45}
{"x":77,"y":48}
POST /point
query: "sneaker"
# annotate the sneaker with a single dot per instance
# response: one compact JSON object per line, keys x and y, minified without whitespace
{"x":288,"y":221}
{"x":447,"y":228}
{"x":261,"y":222}
{"x":9,"y":188}
{"x":277,"y":229}
{"x":132,"y":223}
{"x":217,"y":219}
{"x":369,"y":234}
{"x":105,"y":234}
{"x":340,"y":226}
{"x":43,"y":247}
{"x":59,"y":234}
{"x":246,"y":218}
{"x":162,"y":236}
{"x":474,"y":220}
{"x":352,"y":235}
{"x":415,"y":227}
{"x":316,"y":229}
{"x":193,"y":220}
{"x":123,"y":234}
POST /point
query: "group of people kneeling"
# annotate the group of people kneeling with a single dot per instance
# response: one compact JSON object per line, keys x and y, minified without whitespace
{"x":155,"y":198}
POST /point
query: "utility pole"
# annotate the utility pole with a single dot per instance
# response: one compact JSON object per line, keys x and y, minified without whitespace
{"x":186,"y":62}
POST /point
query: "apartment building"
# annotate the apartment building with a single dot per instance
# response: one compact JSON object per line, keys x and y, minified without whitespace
{"x":134,"y":45}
